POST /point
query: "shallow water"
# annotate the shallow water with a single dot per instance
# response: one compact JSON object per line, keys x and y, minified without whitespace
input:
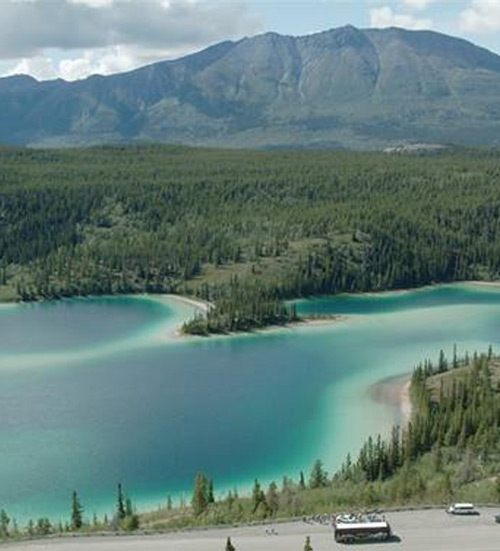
{"x":93,"y":392}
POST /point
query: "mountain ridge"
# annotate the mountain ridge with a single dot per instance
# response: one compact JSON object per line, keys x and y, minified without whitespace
{"x":345,"y":87}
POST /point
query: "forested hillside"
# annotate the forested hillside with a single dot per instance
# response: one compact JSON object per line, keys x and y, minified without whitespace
{"x":243,"y":229}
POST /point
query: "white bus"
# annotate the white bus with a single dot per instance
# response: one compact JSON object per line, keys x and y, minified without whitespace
{"x":349,"y":532}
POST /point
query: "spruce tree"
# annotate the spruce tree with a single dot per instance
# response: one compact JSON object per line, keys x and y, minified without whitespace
{"x":307,"y":545}
{"x":302,"y":482}
{"x":229,"y":545}
{"x":120,"y":503}
{"x":76,"y":512}
{"x":129,"y":507}
{"x":258,"y":497}
{"x":4,"y":524}
{"x":200,"y":494}
{"x":210,"y":492}
{"x":319,"y":477}
{"x":272,"y":498}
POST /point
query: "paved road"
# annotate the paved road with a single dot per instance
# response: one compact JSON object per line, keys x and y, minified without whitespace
{"x":418,"y":531}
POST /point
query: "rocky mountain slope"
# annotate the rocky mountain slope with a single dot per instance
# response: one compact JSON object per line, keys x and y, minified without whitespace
{"x":340,"y":88}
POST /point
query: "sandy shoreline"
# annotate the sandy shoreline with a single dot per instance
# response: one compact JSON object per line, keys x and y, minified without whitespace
{"x":495,"y":284}
{"x":395,"y":391}
{"x":197,"y":303}
{"x":303,"y":323}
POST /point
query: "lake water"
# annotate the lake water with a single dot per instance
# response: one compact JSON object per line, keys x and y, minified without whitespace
{"x":98,"y":391}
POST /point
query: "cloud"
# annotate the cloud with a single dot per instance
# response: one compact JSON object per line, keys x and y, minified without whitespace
{"x":28,"y":27}
{"x":72,"y":39}
{"x":385,"y":17}
{"x":38,"y":66}
{"x":481,"y":16}
{"x":101,"y":61}
{"x":417,"y":4}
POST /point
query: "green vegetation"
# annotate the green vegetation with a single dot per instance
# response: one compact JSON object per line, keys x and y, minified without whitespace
{"x":450,"y":451}
{"x":360,"y":92}
{"x":76,"y":512}
{"x":246,"y":231}
{"x":243,"y":230}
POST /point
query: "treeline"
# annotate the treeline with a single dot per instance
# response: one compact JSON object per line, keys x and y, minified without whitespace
{"x":236,"y":307}
{"x":125,"y":518}
{"x":286,"y":224}
{"x":449,"y":451}
{"x":462,"y":415}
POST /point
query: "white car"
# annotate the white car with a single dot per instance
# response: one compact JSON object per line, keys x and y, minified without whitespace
{"x":462,"y":509}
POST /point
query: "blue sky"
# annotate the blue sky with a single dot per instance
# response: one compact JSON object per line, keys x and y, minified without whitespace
{"x":75,"y":38}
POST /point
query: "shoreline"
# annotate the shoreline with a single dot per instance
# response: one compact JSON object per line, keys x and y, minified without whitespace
{"x":492,"y":284}
{"x":196,"y":303}
{"x":395,"y":392}
{"x":304,"y":323}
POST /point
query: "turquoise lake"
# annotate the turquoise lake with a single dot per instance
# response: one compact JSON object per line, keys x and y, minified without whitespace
{"x":99,"y":391}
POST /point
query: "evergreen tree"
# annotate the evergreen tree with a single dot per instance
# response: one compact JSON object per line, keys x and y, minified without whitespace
{"x":129,"y":507}
{"x":272,"y":498}
{"x":30,"y":528}
{"x":258,"y":497}
{"x":302,"y":482}
{"x":307,"y":545}
{"x":210,"y":493}
{"x":120,"y":504}
{"x":4,"y":524}
{"x":497,"y":488}
{"x":319,"y":477}
{"x":76,"y":512}
{"x":229,"y":545}
{"x":200,"y":494}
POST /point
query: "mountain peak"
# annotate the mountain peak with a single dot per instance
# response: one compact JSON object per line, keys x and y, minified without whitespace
{"x":344,"y":87}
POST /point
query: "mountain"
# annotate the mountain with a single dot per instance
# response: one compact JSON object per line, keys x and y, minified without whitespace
{"x":344,"y":87}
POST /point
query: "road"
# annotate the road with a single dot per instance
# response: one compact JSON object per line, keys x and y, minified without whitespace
{"x":431,"y":530}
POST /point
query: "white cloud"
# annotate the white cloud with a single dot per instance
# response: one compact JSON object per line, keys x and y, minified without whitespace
{"x":93,"y":3}
{"x":28,"y":27}
{"x":72,"y":39}
{"x":417,"y":4}
{"x":100,"y":61}
{"x":385,"y":17}
{"x":482,"y":16}
{"x":39,"y":67}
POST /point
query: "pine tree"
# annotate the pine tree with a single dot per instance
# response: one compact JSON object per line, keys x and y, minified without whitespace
{"x":497,"y":488}
{"x":272,"y":498}
{"x":210,"y":492}
{"x":302,"y":482}
{"x":319,"y":477}
{"x":129,"y":507}
{"x":4,"y":524}
{"x":120,"y":504}
{"x":229,"y":545}
{"x":258,"y":497}
{"x":307,"y":545}
{"x":200,"y":494}
{"x":76,"y":512}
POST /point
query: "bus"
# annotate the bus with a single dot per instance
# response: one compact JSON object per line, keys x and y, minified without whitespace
{"x":349,"y":530}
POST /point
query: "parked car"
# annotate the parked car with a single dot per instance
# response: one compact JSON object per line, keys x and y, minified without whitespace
{"x":462,"y":509}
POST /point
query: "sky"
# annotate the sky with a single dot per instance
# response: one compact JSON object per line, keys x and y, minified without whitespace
{"x":73,"y":39}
